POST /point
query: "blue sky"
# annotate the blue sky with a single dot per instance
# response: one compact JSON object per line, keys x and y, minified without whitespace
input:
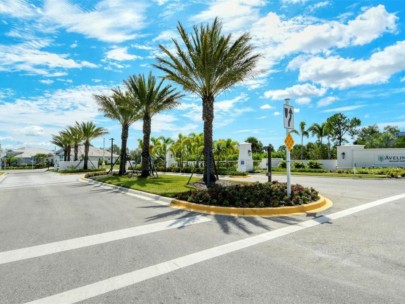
{"x":327,"y":56}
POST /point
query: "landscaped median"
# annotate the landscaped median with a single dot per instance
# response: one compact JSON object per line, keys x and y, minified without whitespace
{"x":320,"y":205}
{"x":227,"y":198}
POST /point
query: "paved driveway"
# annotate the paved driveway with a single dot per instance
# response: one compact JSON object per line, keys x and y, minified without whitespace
{"x":65,"y":241}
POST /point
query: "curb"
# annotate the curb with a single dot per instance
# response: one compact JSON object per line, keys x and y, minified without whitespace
{"x":3,"y":176}
{"x":145,"y":195}
{"x":320,"y":205}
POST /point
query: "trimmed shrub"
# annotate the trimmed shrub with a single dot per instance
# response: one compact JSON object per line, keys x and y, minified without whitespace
{"x":298,"y":165}
{"x":313,"y":164}
{"x":257,"y":195}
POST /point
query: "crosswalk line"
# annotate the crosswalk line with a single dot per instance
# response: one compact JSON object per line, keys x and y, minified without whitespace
{"x":55,"y":247}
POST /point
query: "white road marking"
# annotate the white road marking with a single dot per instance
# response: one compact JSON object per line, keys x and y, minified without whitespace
{"x":131,"y":278}
{"x":41,"y":250}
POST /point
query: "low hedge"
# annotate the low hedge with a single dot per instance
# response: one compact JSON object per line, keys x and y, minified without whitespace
{"x":257,"y":195}
{"x":390,"y":172}
{"x":80,"y":170}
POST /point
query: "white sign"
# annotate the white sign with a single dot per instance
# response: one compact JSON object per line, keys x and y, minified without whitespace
{"x":288,"y":115}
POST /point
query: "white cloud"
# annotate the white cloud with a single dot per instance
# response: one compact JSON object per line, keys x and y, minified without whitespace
{"x":29,"y":57}
{"x":142,"y":47}
{"x":266,"y":107}
{"x":277,"y":113}
{"x":296,"y":110}
{"x":402,"y":79}
{"x":318,"y":5}
{"x":235,"y":14}
{"x":337,"y":72}
{"x":53,"y":110}
{"x":74,"y":45}
{"x":276,"y":36}
{"x":297,"y":91}
{"x":109,"y":20}
{"x":46,"y":81}
{"x":303,"y":100}
{"x":17,"y":8}
{"x":326,"y":101}
{"x":121,"y":54}
{"x":166,"y":35}
{"x":344,"y":109}
{"x":293,"y":1}
{"x":32,"y":131}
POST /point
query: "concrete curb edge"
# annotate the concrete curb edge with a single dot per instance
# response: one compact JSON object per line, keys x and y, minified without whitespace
{"x":320,"y":205}
{"x":124,"y":190}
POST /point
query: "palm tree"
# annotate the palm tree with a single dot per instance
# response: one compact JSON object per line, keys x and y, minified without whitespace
{"x":119,"y":107}
{"x":165,"y":142}
{"x":76,"y":137}
{"x":302,"y":132}
{"x":318,"y":130}
{"x":148,"y":98}
{"x":89,"y":132}
{"x":61,"y":140}
{"x":209,"y":64}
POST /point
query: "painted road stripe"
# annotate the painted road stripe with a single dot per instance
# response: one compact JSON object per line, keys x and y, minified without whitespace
{"x":131,"y":278}
{"x":41,"y":250}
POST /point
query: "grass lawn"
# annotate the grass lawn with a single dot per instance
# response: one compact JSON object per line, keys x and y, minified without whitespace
{"x":166,"y":185}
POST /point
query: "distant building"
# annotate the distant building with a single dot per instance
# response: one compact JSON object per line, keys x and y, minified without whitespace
{"x":26,"y":155}
{"x":95,"y":155}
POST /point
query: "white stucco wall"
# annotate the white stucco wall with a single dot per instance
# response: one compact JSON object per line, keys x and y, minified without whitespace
{"x":245,"y":160}
{"x":356,"y":155}
{"x":274,"y":163}
{"x":66,"y":165}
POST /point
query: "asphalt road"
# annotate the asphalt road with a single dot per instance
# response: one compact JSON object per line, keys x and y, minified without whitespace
{"x":89,"y":244}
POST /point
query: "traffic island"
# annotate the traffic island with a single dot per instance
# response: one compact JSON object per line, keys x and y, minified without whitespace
{"x":320,"y":205}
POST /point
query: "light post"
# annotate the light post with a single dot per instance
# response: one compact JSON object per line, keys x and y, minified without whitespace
{"x":103,"y":163}
{"x":111,"y":160}
{"x":269,"y":148}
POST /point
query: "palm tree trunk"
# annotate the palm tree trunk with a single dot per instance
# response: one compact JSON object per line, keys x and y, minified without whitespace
{"x":68,"y":156}
{"x":145,"y":147}
{"x":302,"y":146}
{"x":76,"y":151}
{"x":123,"y":159}
{"x":65,"y":153}
{"x":86,"y":154}
{"x":208,"y":118}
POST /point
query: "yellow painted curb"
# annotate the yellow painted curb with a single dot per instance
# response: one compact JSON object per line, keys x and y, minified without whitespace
{"x":320,"y":205}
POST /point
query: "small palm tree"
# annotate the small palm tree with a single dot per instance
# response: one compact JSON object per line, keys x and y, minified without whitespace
{"x":303,"y":133}
{"x":318,"y":130}
{"x":119,"y":107}
{"x":76,"y":137}
{"x":89,"y":131}
{"x":148,"y":98}
{"x":165,"y":143}
{"x":63,"y":141}
{"x":208,"y":64}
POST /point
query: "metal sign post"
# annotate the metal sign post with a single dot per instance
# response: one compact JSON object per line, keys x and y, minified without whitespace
{"x":288,"y":125}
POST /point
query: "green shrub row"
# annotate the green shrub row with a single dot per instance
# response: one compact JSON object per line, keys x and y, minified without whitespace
{"x":391,"y":172}
{"x":80,"y":170}
{"x":257,"y":195}
{"x":311,"y":164}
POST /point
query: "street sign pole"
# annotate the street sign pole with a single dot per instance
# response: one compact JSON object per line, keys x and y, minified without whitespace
{"x":287,"y":100}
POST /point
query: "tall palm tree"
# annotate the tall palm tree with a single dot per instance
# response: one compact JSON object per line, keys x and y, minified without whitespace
{"x":119,"y":107}
{"x":148,"y":98}
{"x":89,"y":131}
{"x":303,"y":133}
{"x":208,"y":64}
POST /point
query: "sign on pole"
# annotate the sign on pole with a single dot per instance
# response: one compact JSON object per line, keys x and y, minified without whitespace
{"x":400,"y":134}
{"x":288,"y":116}
{"x":289,"y":141}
